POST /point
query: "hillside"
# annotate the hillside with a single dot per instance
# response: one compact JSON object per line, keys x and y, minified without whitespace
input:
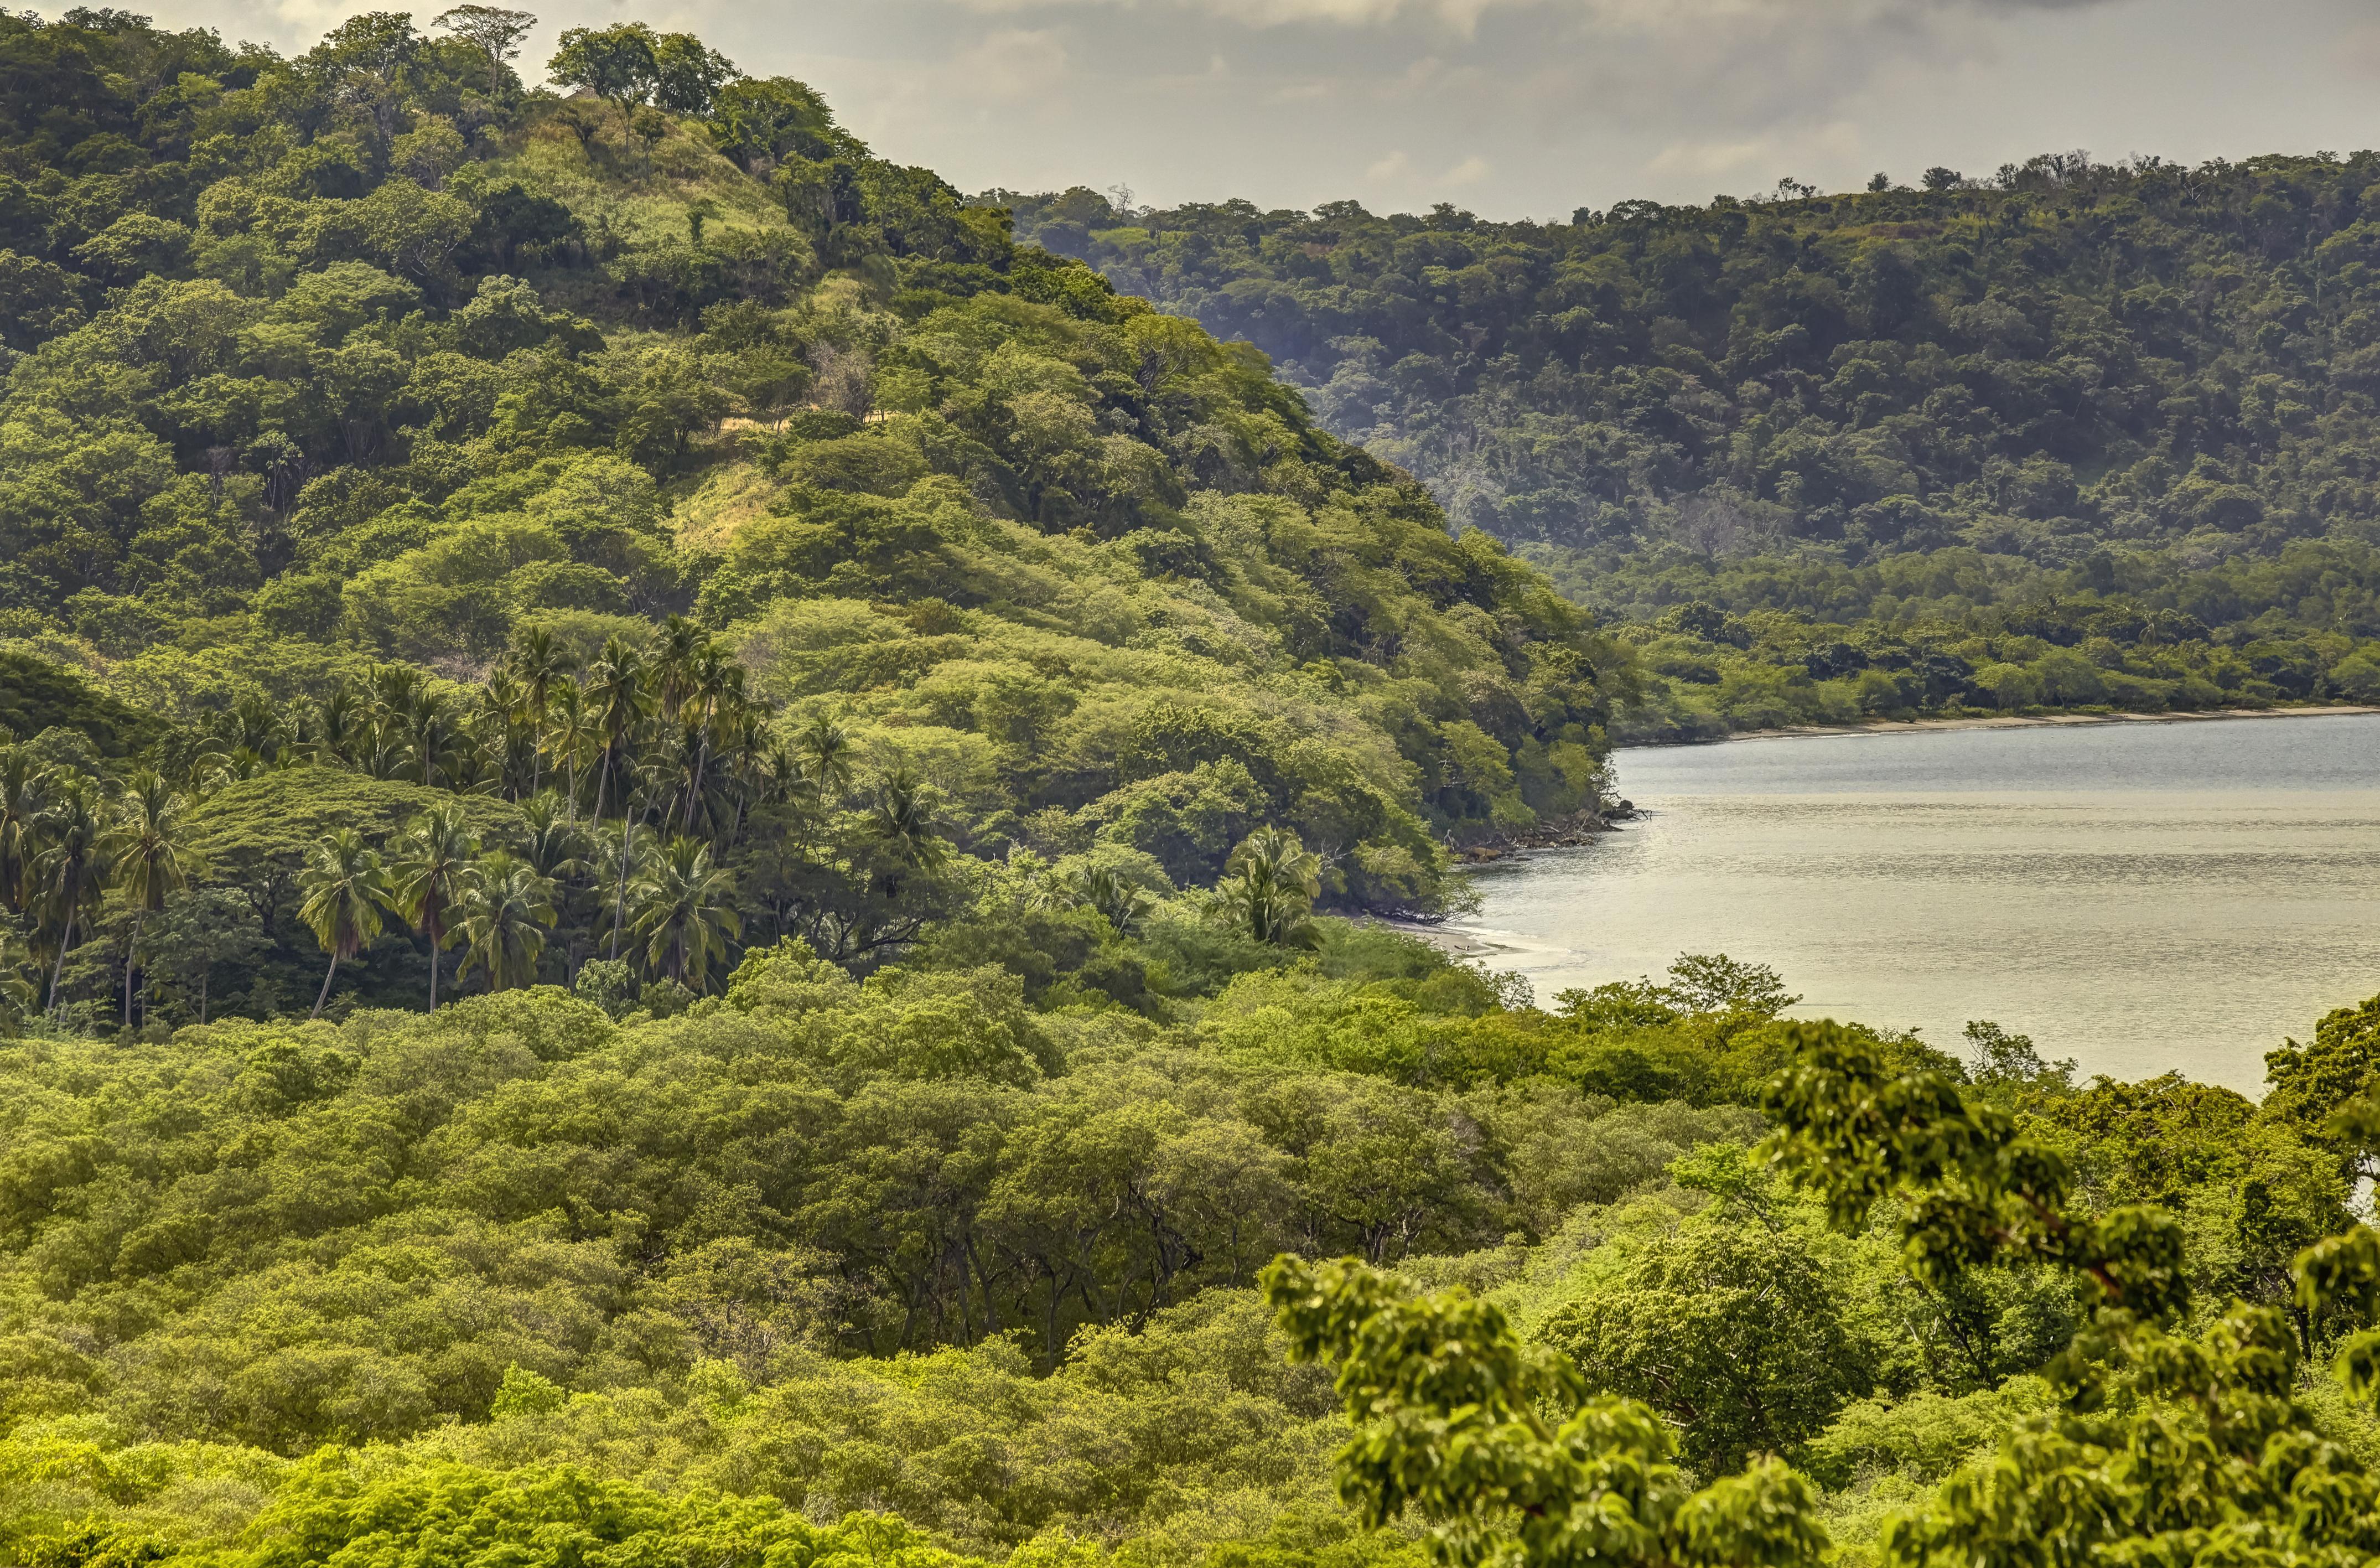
{"x":336,"y":383}
{"x":2121,"y":413}
{"x":679,"y":835}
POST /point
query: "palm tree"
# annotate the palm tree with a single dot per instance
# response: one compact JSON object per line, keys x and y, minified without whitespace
{"x":151,"y":857}
{"x":432,"y":738}
{"x":678,"y":653}
{"x":825,"y":752}
{"x":511,"y":758}
{"x":751,"y":762}
{"x":17,"y":994}
{"x":498,"y":705}
{"x":393,"y":688}
{"x":508,"y":739}
{"x":341,"y":731}
{"x":233,"y":766}
{"x":619,"y":694}
{"x":717,"y":697}
{"x":507,"y":908}
{"x":379,"y":749}
{"x":72,"y":869}
{"x":1269,"y":886}
{"x":680,"y":747}
{"x":1122,"y":905}
{"x":254,"y":724}
{"x":344,"y":891}
{"x":619,"y":697}
{"x":24,"y":796}
{"x":391,"y":691}
{"x":542,"y":667}
{"x":427,"y":877}
{"x":686,"y":911}
{"x":902,"y":816}
{"x":572,"y":730}
{"x":554,"y":848}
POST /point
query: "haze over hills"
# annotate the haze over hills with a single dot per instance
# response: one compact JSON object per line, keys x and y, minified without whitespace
{"x":2067,"y":401}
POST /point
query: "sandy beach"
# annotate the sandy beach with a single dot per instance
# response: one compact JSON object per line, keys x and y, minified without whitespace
{"x":1462,"y":944}
{"x":2029,"y":721}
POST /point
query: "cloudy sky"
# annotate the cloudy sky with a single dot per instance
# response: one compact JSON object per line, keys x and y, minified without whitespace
{"x":1511,"y":108}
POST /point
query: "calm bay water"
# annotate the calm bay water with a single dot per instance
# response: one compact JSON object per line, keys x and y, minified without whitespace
{"x":2139,"y":897}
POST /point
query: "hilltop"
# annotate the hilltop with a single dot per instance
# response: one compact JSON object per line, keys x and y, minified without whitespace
{"x":2114,"y":417}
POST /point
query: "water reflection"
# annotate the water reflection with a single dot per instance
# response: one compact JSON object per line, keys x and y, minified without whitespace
{"x":2139,"y":898}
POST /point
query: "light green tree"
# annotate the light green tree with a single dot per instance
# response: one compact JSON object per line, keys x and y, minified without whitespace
{"x":614,"y":63}
{"x":498,"y":33}
{"x":687,"y":75}
{"x":1500,"y":1448}
{"x":1731,"y":1327}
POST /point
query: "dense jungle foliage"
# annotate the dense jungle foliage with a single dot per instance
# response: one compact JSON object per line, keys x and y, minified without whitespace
{"x":2073,"y":435}
{"x":650,"y":491}
{"x":822,"y":1268}
{"x":670,"y":854}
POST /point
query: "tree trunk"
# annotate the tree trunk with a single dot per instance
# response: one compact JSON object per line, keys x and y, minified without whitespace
{"x":433,"y":929}
{"x":57,"y":970}
{"x":620,"y":898}
{"x":701,"y":755}
{"x":131,"y":946}
{"x":319,"y":997}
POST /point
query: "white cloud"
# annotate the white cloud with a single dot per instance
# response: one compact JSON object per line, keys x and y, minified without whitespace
{"x":1396,"y":165}
{"x":1471,"y":171}
{"x":1012,"y":66}
{"x":1713,"y":158}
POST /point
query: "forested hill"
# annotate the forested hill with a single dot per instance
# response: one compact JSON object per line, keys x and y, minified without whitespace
{"x":668,"y":826}
{"x":335,"y":383}
{"x":2129,"y":402}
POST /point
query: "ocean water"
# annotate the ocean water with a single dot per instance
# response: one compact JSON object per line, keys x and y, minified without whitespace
{"x":2140,"y":897}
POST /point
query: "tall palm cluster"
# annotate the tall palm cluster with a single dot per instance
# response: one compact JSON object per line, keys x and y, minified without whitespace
{"x":659,"y":807}
{"x":636,"y":776}
{"x":500,"y":905}
{"x":663,"y":733}
{"x":1267,"y":890}
{"x":641,"y":781}
{"x":70,"y":842}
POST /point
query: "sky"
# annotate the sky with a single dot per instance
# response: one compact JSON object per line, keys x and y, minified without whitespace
{"x":1509,"y":108}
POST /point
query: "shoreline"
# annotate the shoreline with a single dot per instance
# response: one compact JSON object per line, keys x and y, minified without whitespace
{"x":2011,"y":721}
{"x":1455,"y":943}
